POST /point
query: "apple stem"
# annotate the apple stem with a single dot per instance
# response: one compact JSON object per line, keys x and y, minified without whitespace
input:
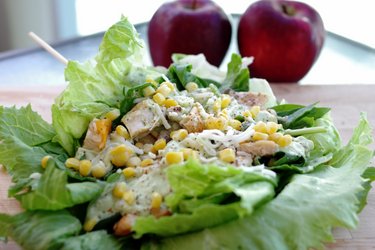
{"x":289,"y":10}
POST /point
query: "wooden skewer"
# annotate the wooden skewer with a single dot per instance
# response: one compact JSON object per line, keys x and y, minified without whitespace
{"x":48,"y":48}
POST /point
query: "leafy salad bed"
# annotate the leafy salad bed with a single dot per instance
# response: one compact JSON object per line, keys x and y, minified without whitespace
{"x":313,"y":194}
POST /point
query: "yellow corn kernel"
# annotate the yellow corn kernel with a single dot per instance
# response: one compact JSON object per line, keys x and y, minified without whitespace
{"x":160,"y":144}
{"x":119,"y":189}
{"x":122,"y":131}
{"x":247,"y":114}
{"x":275,"y":136}
{"x":120,"y":155}
{"x":227,"y":155}
{"x":285,"y":140}
{"x":72,"y":163}
{"x":217,"y":105}
{"x":186,"y":152}
{"x":159,"y":98}
{"x":85,"y":167}
{"x":170,"y":103}
{"x":174,"y":157}
{"x":258,"y":136}
{"x":128,"y":172}
{"x":179,"y":135}
{"x":133,"y":162}
{"x":156,"y":200}
{"x":98,"y":171}
{"x":152,"y":81}
{"x":219,"y":123}
{"x":225,"y":101}
{"x":170,"y":85}
{"x":44,"y":161}
{"x":164,"y":90}
{"x":89,"y":225}
{"x":129,"y":197}
{"x":191,"y":86}
{"x":255,"y":110}
{"x":139,"y":145}
{"x":236,"y":124}
{"x":272,"y":127}
{"x":148,"y":91}
{"x":103,"y":127}
{"x":260,"y":127}
{"x":147,"y":162}
{"x":112,"y":115}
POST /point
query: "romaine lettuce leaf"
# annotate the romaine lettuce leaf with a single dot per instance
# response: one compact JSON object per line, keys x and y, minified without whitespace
{"x":41,"y":229}
{"x":91,"y":241}
{"x":53,"y":192}
{"x":97,"y":87}
{"x":301,"y":216}
{"x":205,"y":195}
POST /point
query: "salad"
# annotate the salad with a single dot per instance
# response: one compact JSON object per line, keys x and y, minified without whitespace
{"x":189,"y":157}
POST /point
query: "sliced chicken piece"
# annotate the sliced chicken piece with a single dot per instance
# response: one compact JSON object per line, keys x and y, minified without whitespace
{"x":97,"y":133}
{"x":250,"y":98}
{"x":259,"y":148}
{"x":141,"y":119}
{"x":194,"y":121}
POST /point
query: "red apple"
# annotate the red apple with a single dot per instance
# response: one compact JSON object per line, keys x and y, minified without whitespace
{"x":284,"y":37}
{"x":189,"y":27}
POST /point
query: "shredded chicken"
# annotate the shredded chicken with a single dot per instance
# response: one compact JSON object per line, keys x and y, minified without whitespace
{"x":194,"y":122}
{"x":259,"y":148}
{"x":249,"y":98}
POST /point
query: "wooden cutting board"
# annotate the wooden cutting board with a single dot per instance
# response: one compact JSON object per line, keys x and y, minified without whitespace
{"x":346,"y":101}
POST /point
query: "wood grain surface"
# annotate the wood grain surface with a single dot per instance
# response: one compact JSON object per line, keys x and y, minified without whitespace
{"x":346,"y":101}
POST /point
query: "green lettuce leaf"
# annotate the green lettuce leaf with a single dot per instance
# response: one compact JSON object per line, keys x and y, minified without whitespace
{"x":41,"y":229}
{"x":91,"y":241}
{"x":205,"y":196}
{"x":53,"y":192}
{"x":97,"y":87}
{"x":238,"y":75}
{"x":258,"y":85}
{"x":301,"y":216}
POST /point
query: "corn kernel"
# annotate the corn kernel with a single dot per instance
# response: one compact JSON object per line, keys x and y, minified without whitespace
{"x":156,"y":200}
{"x":285,"y":140}
{"x":72,"y":163}
{"x":98,"y":171}
{"x":148,"y":91}
{"x":275,"y":136}
{"x":174,"y":157}
{"x":122,"y":131}
{"x":119,"y":189}
{"x":227,"y":155}
{"x":147,"y":162}
{"x":219,"y":123}
{"x":128,"y":172}
{"x":120,"y":155}
{"x":44,"y":161}
{"x":164,"y":90}
{"x":160,"y":144}
{"x":159,"y":98}
{"x":133,"y":162}
{"x":170,"y":85}
{"x":260,"y":127}
{"x":255,"y":110}
{"x":170,"y":103}
{"x":191,"y":86}
{"x":235,"y":124}
{"x":187,"y":152}
{"x":272,"y":127}
{"x":225,"y":101}
{"x":258,"y":136}
{"x":217,"y":105}
{"x":112,"y":115}
{"x":85,"y":167}
{"x":89,"y":225}
{"x":247,"y":114}
{"x":179,"y":135}
{"x":129,"y":197}
{"x":152,"y":81}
